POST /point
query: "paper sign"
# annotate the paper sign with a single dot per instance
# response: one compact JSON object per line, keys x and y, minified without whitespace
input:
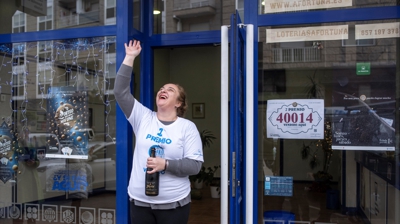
{"x":367,"y":120}
{"x":316,"y":33}
{"x":273,"y":6}
{"x":363,"y":68}
{"x":295,"y":119}
{"x":278,"y":186}
{"x":377,"y":30}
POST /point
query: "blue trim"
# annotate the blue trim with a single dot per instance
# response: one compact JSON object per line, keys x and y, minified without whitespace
{"x":147,"y":59}
{"x":240,"y":127}
{"x":124,"y":132}
{"x":187,"y":38}
{"x":96,"y":31}
{"x":330,"y":16}
{"x":146,"y":23}
{"x":231,"y":121}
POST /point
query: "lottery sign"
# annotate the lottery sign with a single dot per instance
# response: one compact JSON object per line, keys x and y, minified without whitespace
{"x":295,"y":119}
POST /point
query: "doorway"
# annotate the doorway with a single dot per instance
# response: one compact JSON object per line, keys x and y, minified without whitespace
{"x":197,"y":70}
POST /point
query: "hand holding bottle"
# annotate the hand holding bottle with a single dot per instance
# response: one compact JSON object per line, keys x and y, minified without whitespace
{"x":156,"y":164}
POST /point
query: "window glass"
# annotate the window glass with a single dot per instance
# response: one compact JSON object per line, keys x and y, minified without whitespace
{"x":55,"y":14}
{"x":45,"y":22}
{"x":57,"y":132}
{"x":174,"y":16}
{"x":328,"y":122}
{"x":284,"y":6}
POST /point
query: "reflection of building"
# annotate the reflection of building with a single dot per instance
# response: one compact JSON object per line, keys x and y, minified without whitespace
{"x":61,"y":14}
{"x":192,"y":15}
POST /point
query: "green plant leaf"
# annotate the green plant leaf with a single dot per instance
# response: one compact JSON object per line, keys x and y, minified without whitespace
{"x":305,"y":151}
{"x":207,"y":138}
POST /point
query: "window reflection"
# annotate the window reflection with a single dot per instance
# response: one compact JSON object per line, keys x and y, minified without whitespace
{"x":57,"y":128}
{"x":26,"y":16}
{"x":355,"y":76}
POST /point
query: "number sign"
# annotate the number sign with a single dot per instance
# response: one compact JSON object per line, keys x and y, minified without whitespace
{"x":295,"y":119}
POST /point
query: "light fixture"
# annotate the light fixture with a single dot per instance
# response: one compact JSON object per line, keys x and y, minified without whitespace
{"x":156,"y":12}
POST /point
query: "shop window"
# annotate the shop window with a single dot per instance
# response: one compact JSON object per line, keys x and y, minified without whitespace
{"x":78,"y":13}
{"x":291,"y":52}
{"x":44,"y":68}
{"x":111,"y":11}
{"x":18,"y":71}
{"x":110,"y":67}
{"x":69,"y":132}
{"x":18,"y":22}
{"x":46,"y":22}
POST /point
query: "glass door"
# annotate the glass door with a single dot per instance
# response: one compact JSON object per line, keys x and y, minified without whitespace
{"x":237,"y":116}
{"x":236,"y":137}
{"x":328,"y":118}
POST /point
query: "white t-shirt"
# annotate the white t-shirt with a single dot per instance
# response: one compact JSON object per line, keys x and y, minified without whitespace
{"x":173,"y":142}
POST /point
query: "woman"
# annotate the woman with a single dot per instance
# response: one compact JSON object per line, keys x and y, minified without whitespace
{"x":178,"y":148}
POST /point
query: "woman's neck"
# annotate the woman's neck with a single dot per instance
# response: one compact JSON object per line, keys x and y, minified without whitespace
{"x":166,"y":116}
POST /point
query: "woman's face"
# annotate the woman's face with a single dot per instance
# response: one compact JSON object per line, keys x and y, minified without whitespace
{"x":167,"y":97}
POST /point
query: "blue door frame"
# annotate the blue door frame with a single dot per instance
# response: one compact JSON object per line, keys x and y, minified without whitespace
{"x":124,"y":31}
{"x":236,"y":117}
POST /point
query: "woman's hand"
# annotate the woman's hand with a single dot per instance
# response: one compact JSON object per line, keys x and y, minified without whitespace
{"x":157,"y":164}
{"x":133,"y":48}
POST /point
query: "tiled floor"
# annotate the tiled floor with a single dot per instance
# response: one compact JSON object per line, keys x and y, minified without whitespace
{"x":205,"y":210}
{"x":308,"y":207}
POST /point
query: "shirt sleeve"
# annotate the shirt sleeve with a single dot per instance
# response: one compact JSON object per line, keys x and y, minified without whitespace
{"x":193,"y":148}
{"x":122,"y":90}
{"x":184,"y":167}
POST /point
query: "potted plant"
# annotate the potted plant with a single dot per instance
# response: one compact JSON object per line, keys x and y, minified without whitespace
{"x":198,"y":179}
{"x":206,"y":138}
{"x":322,"y":178}
{"x":205,"y":175}
{"x":212,"y":181}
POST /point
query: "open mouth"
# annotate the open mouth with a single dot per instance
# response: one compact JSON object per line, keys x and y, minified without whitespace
{"x":162,"y":96}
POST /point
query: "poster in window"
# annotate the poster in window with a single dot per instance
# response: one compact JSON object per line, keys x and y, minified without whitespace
{"x":68,"y":121}
{"x":364,"y":117}
{"x":8,"y":161}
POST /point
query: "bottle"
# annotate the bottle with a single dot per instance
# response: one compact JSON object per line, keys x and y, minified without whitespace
{"x":152,"y":181}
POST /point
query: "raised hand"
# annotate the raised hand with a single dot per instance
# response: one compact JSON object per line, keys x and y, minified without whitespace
{"x":133,"y":48}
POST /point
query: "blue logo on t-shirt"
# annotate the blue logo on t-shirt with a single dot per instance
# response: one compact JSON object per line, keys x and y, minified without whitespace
{"x":160,"y":133}
{"x":198,"y":153}
{"x":158,"y":139}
